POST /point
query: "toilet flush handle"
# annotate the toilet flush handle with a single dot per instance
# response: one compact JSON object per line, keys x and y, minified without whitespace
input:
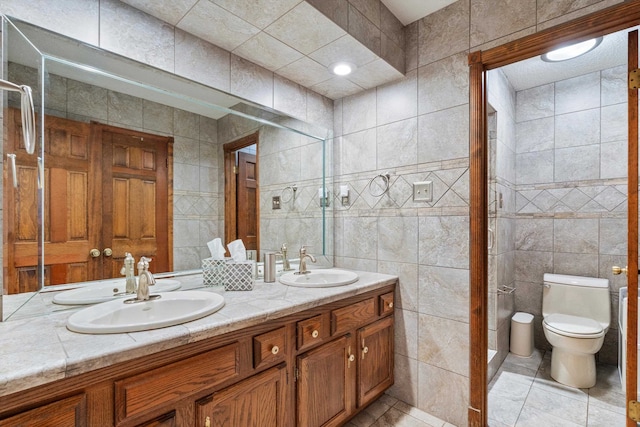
{"x":618,"y":270}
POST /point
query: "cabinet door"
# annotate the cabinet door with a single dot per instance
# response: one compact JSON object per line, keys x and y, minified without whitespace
{"x":375,"y":361}
{"x":258,"y":401}
{"x":70,"y":412}
{"x":325,"y":384}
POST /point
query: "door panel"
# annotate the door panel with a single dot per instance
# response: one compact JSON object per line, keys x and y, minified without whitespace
{"x":135,"y":198}
{"x":247,"y":204}
{"x":632,"y":247}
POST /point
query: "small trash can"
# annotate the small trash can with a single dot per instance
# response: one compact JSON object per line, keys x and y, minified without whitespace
{"x":522,"y":334}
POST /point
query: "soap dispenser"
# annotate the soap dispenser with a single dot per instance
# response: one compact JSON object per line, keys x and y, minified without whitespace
{"x":127,"y":270}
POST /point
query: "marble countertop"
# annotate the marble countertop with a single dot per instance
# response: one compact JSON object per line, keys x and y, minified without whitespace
{"x":37,"y":348}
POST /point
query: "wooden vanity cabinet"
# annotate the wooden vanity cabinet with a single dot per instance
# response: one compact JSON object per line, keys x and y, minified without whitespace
{"x":258,"y":401}
{"x":338,"y":378}
{"x":315,"y":368}
{"x":69,"y":412}
{"x":325,"y":380}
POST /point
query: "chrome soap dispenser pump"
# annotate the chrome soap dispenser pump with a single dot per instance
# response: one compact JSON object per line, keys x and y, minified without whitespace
{"x":127,"y":270}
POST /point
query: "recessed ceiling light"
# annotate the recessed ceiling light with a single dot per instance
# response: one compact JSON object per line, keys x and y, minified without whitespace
{"x":342,"y":68}
{"x":572,"y":51}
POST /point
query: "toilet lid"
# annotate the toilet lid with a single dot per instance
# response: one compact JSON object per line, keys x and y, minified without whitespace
{"x":573,"y":326}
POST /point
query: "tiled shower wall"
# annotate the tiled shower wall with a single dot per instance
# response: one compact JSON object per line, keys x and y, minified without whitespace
{"x":502,"y":177}
{"x":571,"y":197}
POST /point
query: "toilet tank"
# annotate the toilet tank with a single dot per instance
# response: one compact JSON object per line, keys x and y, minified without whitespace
{"x":577,"y":296}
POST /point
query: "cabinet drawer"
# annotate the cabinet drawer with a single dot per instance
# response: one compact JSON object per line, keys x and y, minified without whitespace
{"x":386,"y":304}
{"x":312,"y":331}
{"x":167,"y":384}
{"x":269,"y":348}
{"x":352,"y":316}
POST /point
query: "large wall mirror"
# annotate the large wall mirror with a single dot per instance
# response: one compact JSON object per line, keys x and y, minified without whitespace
{"x":134,"y":159}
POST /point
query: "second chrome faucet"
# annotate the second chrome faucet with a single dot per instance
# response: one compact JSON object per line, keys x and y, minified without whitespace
{"x":303,"y":261}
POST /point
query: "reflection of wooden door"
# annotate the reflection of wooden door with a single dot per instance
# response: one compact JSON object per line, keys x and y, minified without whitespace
{"x":69,"y":231}
{"x":241,"y":193}
{"x":136,"y":176}
{"x":135,"y":197}
{"x":247,"y":200}
{"x":20,"y":222}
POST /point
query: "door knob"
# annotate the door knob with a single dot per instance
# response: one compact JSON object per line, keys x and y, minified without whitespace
{"x":94,"y":253}
{"x":617,"y":270}
{"x":107,"y":252}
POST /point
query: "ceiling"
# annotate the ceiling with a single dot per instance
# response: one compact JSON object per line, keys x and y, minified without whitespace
{"x":288,"y":37}
{"x":536,"y":72}
{"x":408,"y":11}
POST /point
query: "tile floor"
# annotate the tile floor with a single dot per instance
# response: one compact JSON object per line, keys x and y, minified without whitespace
{"x":390,"y":412}
{"x":521,"y":394}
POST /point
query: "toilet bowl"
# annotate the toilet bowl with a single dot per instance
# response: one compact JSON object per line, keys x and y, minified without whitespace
{"x":576,"y":317}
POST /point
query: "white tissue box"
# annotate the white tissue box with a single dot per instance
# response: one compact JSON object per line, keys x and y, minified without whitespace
{"x":212,"y":271}
{"x":239,"y":276}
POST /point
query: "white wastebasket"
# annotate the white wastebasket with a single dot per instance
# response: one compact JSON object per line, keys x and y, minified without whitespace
{"x":522,"y":334}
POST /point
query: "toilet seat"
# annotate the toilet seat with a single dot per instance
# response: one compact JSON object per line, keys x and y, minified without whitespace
{"x":573,"y":326}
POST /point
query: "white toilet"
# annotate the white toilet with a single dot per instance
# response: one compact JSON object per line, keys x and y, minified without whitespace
{"x":576,"y":315}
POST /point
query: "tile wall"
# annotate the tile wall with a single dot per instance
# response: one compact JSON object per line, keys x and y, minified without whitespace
{"x":571,"y":198}
{"x":287,"y":160}
{"x":417,"y":129}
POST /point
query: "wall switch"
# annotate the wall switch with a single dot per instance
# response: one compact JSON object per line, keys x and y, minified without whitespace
{"x":275,"y":202}
{"x":423,"y":191}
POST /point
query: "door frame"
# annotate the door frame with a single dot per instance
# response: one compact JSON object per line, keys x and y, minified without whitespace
{"x":606,"y":21}
{"x":230,"y":185}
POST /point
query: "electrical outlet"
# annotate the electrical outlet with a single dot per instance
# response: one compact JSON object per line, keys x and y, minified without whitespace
{"x":423,"y":191}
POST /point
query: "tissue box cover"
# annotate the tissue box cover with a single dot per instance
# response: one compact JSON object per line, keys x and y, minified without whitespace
{"x":238,"y":276}
{"x":212,"y":271}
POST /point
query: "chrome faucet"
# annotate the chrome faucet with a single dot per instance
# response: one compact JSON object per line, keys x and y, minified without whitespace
{"x":145,"y":279}
{"x":303,"y":261}
{"x":127,"y":270}
{"x":285,"y":260}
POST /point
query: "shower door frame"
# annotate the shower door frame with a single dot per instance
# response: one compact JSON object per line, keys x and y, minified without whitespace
{"x":616,"y":18}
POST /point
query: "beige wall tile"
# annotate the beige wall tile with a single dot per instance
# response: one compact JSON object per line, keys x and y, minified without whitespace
{"x":444,"y":33}
{"x":451,"y":405}
{"x":132,"y":33}
{"x":251,"y":81}
{"x":201,"y":61}
{"x":493,"y":19}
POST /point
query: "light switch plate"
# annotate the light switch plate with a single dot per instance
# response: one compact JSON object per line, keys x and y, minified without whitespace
{"x":423,"y":191}
{"x":275,"y":202}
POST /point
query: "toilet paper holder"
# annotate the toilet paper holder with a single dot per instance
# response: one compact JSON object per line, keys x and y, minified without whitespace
{"x":506,"y":290}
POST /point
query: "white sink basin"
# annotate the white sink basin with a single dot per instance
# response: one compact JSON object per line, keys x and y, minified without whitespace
{"x":319,"y":278}
{"x":170,"y":309}
{"x":108,"y":290}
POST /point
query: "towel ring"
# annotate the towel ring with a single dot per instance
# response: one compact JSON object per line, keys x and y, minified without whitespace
{"x":385,"y":186}
{"x":291,"y":193}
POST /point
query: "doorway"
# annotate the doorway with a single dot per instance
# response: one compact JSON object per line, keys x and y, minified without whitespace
{"x":598,"y":24}
{"x":241,"y":191}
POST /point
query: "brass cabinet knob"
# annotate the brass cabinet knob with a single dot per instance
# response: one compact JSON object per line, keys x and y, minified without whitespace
{"x":618,"y":270}
{"x":365,"y":350}
{"x":275,"y":349}
{"x":95,"y":253}
{"x":107,"y":252}
{"x":352,"y":358}
{"x":391,"y":305}
{"x":207,"y":422}
{"x":315,"y":333}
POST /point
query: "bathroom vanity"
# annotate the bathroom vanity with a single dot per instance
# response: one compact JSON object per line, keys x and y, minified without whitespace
{"x":275,"y":356}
